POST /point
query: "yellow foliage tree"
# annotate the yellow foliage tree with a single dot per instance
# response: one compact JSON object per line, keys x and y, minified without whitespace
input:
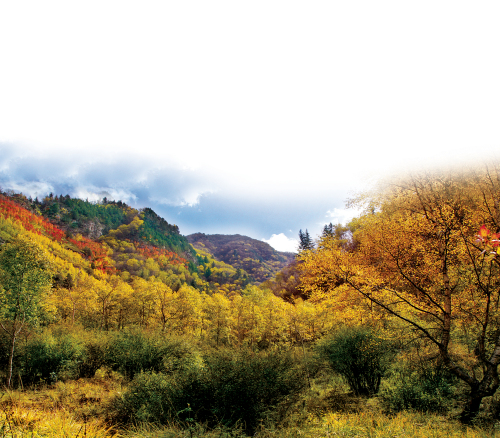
{"x":416,"y":256}
{"x":217,"y":318}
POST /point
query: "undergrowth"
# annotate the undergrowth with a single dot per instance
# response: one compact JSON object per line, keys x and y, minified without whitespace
{"x":79,"y":409}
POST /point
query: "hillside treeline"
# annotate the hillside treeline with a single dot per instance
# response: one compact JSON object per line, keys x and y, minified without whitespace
{"x":397,"y":310}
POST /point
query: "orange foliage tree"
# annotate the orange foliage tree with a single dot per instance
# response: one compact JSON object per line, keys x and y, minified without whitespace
{"x":416,"y":256}
{"x":33,"y":223}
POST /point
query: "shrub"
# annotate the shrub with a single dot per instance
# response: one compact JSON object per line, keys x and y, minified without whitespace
{"x":134,"y":351}
{"x":95,"y":353}
{"x":249,"y":386}
{"x":4,"y":352}
{"x":229,"y":388}
{"x":69,"y":353}
{"x":359,"y":356}
{"x":427,"y":387}
{"x":49,"y":358}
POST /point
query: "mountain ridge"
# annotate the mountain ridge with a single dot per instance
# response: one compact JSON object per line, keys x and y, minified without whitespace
{"x":257,"y":258}
{"x":138,"y":243}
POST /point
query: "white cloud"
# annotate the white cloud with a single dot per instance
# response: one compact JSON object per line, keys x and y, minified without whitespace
{"x":282,"y":243}
{"x":386,"y":94}
{"x":190,"y":198}
{"x":95,"y":194}
{"x":341,"y":215}
{"x":32,"y":188}
{"x":357,"y":87}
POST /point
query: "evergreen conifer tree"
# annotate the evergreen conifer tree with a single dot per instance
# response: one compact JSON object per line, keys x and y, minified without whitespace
{"x":328,"y":230}
{"x":306,"y":243}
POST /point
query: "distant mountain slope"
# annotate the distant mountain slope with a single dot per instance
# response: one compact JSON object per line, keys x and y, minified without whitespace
{"x":257,"y":258}
{"x":95,"y":220}
{"x":109,"y":238}
{"x":157,"y":231}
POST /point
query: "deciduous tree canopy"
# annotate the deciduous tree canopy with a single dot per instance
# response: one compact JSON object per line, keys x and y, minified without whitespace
{"x":24,"y":276}
{"x":416,"y":256}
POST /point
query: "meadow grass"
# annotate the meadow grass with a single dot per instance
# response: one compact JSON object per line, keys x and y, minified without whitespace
{"x":66,"y":409}
{"x":77,"y":409}
{"x":404,"y":424}
{"x":353,"y":425}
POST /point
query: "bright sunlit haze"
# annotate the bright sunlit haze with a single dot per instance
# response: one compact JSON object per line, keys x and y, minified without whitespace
{"x":259,"y":118}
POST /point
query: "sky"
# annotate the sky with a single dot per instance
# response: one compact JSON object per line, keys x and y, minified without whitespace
{"x":228,"y":117}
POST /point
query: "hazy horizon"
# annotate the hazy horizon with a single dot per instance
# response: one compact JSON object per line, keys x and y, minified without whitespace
{"x":226,"y":118}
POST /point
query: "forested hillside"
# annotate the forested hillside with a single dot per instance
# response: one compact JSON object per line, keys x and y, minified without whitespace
{"x":130,"y":243}
{"x":123,"y":279}
{"x":259,"y":259}
{"x":95,"y":219}
{"x":388,"y":325}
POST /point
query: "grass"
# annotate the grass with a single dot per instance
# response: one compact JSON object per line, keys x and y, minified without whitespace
{"x":28,"y":423}
{"x":406,"y":424}
{"x":77,"y":409}
{"x":337,"y":425}
{"x":71,"y":409}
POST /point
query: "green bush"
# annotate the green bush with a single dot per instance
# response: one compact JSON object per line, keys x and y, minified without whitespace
{"x":359,"y":355}
{"x":229,"y":388}
{"x":49,"y":358}
{"x":133,"y":351}
{"x":152,"y":398}
{"x":70,"y":353}
{"x":95,"y":354}
{"x":422,"y":387}
{"x":4,"y":351}
{"x":249,"y":386}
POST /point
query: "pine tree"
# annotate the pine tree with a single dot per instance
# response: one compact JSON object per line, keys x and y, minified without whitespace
{"x":328,"y":230}
{"x":306,"y":243}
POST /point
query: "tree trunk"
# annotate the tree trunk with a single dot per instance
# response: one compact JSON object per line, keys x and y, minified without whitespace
{"x":13,"y":334}
{"x":11,"y":359}
{"x":485,"y":388}
{"x":471,"y":409}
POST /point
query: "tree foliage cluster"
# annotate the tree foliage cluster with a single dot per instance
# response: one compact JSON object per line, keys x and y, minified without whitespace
{"x":155,"y":288}
{"x":158,"y":232}
{"x":76,"y":214}
{"x":416,"y":256}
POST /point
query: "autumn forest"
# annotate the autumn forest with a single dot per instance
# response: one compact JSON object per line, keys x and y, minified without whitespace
{"x":115,"y":324}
